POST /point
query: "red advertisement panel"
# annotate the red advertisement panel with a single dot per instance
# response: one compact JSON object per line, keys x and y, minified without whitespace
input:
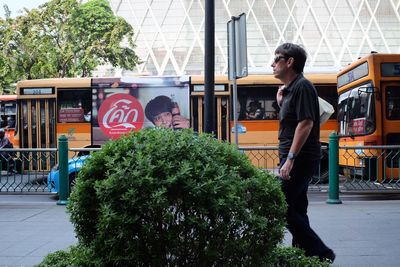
{"x":120,"y":114}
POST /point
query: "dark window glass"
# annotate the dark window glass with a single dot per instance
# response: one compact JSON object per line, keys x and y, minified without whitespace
{"x":393,"y":103}
{"x":257,"y":103}
{"x":8,"y":114}
{"x":74,"y":105}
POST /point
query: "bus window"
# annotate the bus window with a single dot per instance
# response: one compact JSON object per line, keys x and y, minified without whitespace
{"x":74,"y":107}
{"x":356,"y":111}
{"x":393,"y":103}
{"x":7,"y":114}
{"x":257,"y":103}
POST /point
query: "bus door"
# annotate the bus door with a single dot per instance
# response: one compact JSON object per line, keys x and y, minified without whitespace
{"x":391,"y":127}
{"x":37,"y":130}
{"x":221,"y":111}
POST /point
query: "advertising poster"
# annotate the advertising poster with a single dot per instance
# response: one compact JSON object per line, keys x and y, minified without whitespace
{"x":121,"y":105}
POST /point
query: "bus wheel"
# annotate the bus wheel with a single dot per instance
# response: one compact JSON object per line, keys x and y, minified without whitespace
{"x":72,"y":181}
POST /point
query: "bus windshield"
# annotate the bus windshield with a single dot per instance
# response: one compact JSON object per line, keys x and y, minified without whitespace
{"x":356,"y":114}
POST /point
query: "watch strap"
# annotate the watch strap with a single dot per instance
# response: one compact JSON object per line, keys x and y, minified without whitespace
{"x":291,"y":155}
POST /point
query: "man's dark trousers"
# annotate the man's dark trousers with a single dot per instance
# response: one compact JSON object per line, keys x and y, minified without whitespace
{"x":295,"y":191}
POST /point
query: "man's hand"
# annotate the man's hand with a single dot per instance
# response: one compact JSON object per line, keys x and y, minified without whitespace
{"x":279,"y":95}
{"x":180,"y":122}
{"x":285,"y":170}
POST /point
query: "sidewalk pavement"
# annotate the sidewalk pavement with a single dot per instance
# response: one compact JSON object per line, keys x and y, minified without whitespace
{"x":31,"y":226}
{"x":361,"y":231}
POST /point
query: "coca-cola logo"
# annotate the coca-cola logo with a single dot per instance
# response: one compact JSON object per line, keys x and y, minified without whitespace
{"x":120,"y":114}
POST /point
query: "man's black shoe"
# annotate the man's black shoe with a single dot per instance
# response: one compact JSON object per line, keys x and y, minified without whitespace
{"x":328,"y":256}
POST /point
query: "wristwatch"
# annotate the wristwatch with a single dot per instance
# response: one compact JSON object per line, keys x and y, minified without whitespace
{"x":291,"y":156}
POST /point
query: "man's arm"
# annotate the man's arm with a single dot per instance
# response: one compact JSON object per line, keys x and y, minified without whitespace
{"x":301,"y":134}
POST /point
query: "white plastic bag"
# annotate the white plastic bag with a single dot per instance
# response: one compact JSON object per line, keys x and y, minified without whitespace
{"x":325,"y":110}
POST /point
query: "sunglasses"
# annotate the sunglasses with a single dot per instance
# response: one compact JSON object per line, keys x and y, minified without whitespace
{"x":277,"y":58}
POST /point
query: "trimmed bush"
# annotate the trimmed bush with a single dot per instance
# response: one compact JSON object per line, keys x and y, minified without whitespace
{"x":294,"y":257}
{"x":172,"y":198}
{"x":76,"y":255}
{"x":83,"y":256}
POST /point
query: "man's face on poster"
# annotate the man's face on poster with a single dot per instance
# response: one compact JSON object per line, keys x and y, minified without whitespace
{"x":163,"y":119}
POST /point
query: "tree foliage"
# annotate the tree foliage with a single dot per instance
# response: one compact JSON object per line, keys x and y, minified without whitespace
{"x":63,"y":38}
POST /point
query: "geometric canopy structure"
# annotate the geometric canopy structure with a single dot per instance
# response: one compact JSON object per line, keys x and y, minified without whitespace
{"x":169,"y":34}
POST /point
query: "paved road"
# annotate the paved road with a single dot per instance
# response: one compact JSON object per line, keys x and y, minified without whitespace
{"x":363,"y":231}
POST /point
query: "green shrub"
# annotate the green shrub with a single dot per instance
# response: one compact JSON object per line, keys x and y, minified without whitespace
{"x":76,"y":255}
{"x":294,"y":257}
{"x":162,"y":197}
{"x":59,"y":258}
{"x":83,"y":256}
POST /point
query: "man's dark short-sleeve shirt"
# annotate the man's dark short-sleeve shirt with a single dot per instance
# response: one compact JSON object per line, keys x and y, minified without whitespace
{"x":300,"y":102}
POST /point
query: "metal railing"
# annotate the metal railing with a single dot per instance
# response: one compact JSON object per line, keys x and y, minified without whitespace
{"x":267,"y":159}
{"x":36,"y":170}
{"x":25,"y":170}
{"x":370,"y":168}
{"x":349,"y":168}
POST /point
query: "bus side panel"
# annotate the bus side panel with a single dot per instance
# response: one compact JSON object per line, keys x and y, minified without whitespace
{"x":265,"y":133}
{"x":326,"y":129}
{"x":362,"y":162}
{"x":78,"y":134}
{"x":259,"y":133}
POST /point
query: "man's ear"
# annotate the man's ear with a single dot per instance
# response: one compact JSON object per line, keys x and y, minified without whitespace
{"x":290,"y":62}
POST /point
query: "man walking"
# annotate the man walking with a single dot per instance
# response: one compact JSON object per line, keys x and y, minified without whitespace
{"x":299,"y":146}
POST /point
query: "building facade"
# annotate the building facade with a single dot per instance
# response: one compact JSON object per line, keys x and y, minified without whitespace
{"x":169,"y":34}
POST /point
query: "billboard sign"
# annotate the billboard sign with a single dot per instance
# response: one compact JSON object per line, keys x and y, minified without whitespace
{"x":122,"y":105}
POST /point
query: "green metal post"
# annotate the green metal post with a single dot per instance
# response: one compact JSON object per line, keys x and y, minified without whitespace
{"x":333,"y":169}
{"x":63,"y":170}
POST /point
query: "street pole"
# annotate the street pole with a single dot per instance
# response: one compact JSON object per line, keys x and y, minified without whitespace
{"x":209,"y":67}
{"x":333,"y":170}
{"x":237,"y":61}
{"x":63,"y":170}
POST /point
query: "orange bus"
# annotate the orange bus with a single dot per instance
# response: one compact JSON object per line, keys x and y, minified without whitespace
{"x":90,"y":111}
{"x":369,"y":115}
{"x":257,"y":110}
{"x":8,"y":116}
{"x":87,"y":110}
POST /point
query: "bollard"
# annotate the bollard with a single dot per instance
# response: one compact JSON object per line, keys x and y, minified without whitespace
{"x":63,"y":170}
{"x":333,"y":169}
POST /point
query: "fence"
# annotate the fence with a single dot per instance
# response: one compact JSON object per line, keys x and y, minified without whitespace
{"x":25,"y":170}
{"x":351,"y":169}
{"x":369,"y":168}
{"x":267,"y":158}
